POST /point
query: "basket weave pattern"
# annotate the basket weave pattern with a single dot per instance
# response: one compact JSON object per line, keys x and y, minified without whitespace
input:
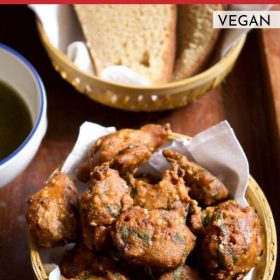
{"x":137,"y":98}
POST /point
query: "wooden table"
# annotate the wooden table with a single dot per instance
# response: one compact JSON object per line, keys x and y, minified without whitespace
{"x":241,"y":100}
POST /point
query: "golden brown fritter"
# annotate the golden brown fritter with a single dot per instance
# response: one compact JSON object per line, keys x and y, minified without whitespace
{"x":130,"y":158}
{"x":77,"y":260}
{"x":182,"y":272}
{"x":111,"y":269}
{"x":110,"y":275}
{"x":101,"y":204}
{"x":81,"y":262}
{"x":195,"y":217}
{"x":129,"y":147}
{"x":205,"y":187}
{"x":158,"y":238}
{"x":85,"y":275}
{"x":232,"y":243}
{"x":169,"y":193}
{"x":52,"y":214}
{"x":101,"y":237}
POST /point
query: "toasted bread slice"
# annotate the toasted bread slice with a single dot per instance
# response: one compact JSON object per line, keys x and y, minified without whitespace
{"x":141,"y":37}
{"x":196,"y":38}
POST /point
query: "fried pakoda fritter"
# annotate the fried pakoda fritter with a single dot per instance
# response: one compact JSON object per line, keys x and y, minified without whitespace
{"x":182,"y":272}
{"x":52,"y":214}
{"x":195,"y":217}
{"x":113,"y":269}
{"x":157,"y":238}
{"x":232,"y":243}
{"x":81,"y":261}
{"x":88,"y":275}
{"x":169,"y":193}
{"x":101,"y":204}
{"x":128,"y":159}
{"x":205,"y":187}
{"x":85,"y":275}
{"x":77,"y":260}
{"x":128,"y":148}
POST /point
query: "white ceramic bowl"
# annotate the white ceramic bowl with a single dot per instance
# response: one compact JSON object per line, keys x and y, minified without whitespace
{"x":16,"y":71}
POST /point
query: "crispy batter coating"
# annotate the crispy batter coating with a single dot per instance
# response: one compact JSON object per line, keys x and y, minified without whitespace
{"x":101,"y":204}
{"x":109,"y":275}
{"x":111,"y":269}
{"x":169,"y":193}
{"x":130,"y":158}
{"x":130,"y":147}
{"x":182,"y":272}
{"x":232,"y":244}
{"x":82,"y":262}
{"x":158,"y":238}
{"x":52,"y":214}
{"x":205,"y":187}
{"x":101,"y":237}
{"x":77,"y":260}
{"x":195,"y":217}
{"x":85,"y":275}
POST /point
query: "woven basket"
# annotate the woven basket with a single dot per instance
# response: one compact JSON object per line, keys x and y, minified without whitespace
{"x":139,"y":98}
{"x":255,"y":197}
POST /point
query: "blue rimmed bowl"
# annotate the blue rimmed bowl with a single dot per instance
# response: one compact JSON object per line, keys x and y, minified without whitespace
{"x":19,"y":74}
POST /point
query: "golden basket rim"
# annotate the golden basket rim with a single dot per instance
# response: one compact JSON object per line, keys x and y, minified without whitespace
{"x":253,"y":187}
{"x":157,"y":89}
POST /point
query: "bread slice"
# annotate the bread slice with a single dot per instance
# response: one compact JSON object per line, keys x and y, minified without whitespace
{"x":141,"y":37}
{"x":196,"y":38}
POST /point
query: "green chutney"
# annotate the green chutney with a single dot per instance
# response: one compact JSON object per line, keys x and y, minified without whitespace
{"x":15,"y":120}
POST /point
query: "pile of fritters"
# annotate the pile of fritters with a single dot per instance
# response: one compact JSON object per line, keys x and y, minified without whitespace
{"x":181,"y":226}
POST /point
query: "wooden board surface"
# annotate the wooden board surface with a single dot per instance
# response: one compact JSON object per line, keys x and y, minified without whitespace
{"x":270,"y":54}
{"x":240,"y":100}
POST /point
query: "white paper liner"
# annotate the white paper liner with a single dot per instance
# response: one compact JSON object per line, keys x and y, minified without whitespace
{"x":216,"y":148}
{"x":89,"y":133}
{"x":63,"y":30}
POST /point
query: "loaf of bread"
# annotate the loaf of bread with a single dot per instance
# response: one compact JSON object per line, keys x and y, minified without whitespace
{"x":141,"y":37}
{"x":196,"y":38}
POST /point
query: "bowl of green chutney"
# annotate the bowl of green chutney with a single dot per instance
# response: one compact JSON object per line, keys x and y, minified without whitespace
{"x":23,"y":118}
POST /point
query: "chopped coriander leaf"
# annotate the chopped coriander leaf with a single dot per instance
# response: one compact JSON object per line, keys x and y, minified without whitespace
{"x":125,"y":232}
{"x":133,"y":192}
{"x":206,"y":220}
{"x":221,"y":259}
{"x":178,"y":274}
{"x":112,"y":210}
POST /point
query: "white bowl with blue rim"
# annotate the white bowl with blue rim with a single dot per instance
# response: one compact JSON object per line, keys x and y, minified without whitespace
{"x":17,"y":72}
